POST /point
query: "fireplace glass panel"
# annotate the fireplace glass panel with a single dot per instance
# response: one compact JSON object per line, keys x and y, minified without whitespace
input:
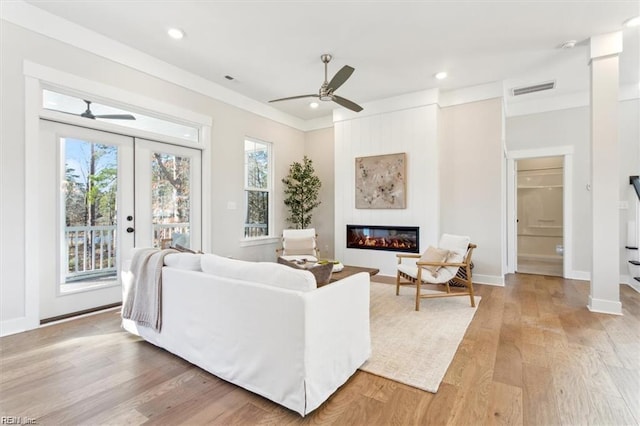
{"x":389,"y":238}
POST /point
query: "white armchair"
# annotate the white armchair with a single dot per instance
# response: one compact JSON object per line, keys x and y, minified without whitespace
{"x":299,"y":245}
{"x":439,"y":266}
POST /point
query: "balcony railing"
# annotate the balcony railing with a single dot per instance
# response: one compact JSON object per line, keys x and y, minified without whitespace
{"x":170,"y":234}
{"x":90,"y":251}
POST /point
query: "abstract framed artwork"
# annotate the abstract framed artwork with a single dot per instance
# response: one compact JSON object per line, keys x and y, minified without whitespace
{"x":381,"y":182}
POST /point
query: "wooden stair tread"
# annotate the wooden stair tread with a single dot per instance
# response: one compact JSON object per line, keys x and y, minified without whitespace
{"x":631,"y":247}
{"x":635,"y":262}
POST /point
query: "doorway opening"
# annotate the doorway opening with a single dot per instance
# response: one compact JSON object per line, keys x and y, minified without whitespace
{"x":540,"y":213}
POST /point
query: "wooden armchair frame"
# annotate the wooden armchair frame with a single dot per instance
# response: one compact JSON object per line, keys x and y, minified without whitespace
{"x":467,"y":281}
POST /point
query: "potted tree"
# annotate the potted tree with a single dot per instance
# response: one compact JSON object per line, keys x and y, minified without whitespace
{"x":301,"y":192}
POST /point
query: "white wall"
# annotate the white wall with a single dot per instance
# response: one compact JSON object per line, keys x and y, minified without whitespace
{"x":319,"y":147}
{"x":412,"y":131}
{"x":454,"y":175}
{"x":570,"y":127}
{"x":471,"y":170}
{"x":230,"y":126}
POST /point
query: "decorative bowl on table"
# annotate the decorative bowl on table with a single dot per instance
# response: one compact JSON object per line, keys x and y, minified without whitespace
{"x":337,"y":265}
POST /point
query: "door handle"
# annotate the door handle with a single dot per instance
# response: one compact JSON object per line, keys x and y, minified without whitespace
{"x":130,"y":229}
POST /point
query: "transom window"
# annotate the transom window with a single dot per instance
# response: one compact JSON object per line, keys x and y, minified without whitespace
{"x":94,"y":110}
{"x":257,"y":188}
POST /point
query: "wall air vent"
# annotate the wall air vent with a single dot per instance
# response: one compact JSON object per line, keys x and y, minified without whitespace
{"x":517,"y":91}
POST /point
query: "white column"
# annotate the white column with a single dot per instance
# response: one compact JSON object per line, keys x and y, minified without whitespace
{"x":605,"y":263}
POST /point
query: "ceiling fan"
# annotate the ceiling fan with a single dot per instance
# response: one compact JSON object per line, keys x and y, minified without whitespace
{"x":326,"y":92}
{"x":89,"y":114}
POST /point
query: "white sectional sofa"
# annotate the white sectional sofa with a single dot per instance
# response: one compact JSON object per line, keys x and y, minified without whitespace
{"x":263,"y":326}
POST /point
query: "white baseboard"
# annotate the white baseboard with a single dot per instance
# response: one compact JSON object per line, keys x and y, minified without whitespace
{"x":632,"y":283}
{"x":16,"y":325}
{"x":579,"y":275}
{"x":586,"y":276}
{"x":605,"y":306}
{"x":496,"y":280}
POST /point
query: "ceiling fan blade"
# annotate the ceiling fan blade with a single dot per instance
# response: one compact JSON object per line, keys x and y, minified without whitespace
{"x":346,"y":103}
{"x":116,"y":116}
{"x":294,"y":97}
{"x":340,"y":77}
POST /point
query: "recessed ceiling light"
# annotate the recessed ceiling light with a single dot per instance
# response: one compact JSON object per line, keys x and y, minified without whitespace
{"x":441,"y":75}
{"x":632,"y":22}
{"x":569,"y":44}
{"x":175,"y":33}
{"x":314,"y":105}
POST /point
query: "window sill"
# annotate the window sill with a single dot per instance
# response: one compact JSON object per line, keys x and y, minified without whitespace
{"x":259,"y":241}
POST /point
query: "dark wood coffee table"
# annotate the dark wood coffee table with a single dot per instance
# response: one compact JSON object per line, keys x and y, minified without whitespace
{"x":348,"y":270}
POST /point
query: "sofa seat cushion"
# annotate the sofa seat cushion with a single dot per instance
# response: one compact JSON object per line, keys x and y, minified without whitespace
{"x":268,"y":273}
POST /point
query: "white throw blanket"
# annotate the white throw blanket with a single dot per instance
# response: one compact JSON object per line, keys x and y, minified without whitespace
{"x":143,"y":288}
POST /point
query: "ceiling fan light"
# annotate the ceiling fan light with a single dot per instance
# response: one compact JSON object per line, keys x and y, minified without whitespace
{"x":314,"y":105}
{"x":175,"y":33}
{"x":441,"y":75}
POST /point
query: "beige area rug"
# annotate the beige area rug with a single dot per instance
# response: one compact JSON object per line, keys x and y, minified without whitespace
{"x":415,"y":348}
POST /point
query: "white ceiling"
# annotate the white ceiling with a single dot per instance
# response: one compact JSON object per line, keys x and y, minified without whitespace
{"x":273,"y":48}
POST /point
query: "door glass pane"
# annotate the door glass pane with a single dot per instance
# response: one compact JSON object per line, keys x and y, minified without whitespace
{"x":88,"y":200}
{"x":170,"y":199}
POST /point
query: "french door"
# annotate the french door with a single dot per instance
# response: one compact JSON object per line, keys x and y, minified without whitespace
{"x":101,"y":194}
{"x":168,"y":187}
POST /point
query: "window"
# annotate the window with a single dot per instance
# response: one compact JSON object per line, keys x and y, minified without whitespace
{"x":60,"y":102}
{"x":257,"y":188}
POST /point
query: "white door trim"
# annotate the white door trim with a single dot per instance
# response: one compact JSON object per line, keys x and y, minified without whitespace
{"x":38,"y":77}
{"x":567,"y":211}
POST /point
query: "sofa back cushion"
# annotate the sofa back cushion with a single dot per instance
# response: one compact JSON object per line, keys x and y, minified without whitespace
{"x":268,"y":273}
{"x":322,"y":273}
{"x":188,"y":261}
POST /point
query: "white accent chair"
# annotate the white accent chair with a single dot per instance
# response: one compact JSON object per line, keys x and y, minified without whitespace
{"x":439,"y":266}
{"x":299,"y":245}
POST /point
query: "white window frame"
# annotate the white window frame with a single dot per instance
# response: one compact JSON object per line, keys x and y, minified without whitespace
{"x":264,"y":239}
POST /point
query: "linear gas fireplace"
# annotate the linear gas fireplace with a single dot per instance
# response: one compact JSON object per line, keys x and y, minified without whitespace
{"x":390,"y":238}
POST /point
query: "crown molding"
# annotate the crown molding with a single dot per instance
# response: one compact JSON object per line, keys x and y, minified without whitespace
{"x":382,"y":106}
{"x":560,"y":102}
{"x":470,"y":94}
{"x":49,"y":25}
{"x":39,"y":21}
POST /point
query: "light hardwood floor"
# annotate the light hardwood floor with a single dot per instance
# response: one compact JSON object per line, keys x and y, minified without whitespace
{"x":533,"y":355}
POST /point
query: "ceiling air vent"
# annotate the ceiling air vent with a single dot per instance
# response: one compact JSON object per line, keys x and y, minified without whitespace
{"x":517,"y":91}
